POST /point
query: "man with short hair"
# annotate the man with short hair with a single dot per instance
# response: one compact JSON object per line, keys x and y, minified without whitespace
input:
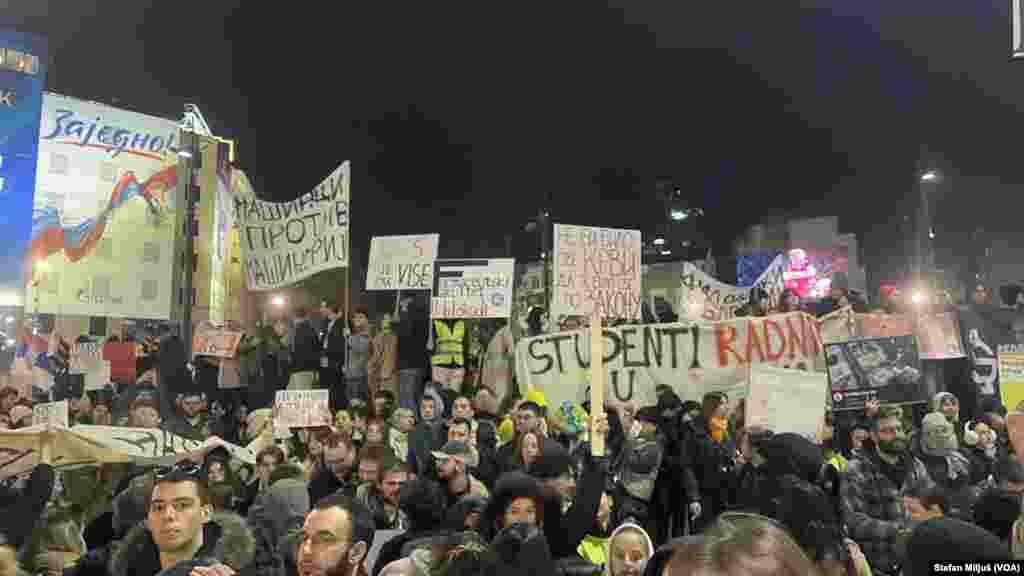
{"x":872,"y":491}
{"x":336,"y":536}
{"x":336,"y":475}
{"x":181,"y":526}
{"x":380,"y":495}
{"x":192,"y":422}
{"x":304,"y":346}
{"x":454,"y":460}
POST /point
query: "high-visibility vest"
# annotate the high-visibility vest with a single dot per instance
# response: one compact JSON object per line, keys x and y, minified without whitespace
{"x":448,"y":345}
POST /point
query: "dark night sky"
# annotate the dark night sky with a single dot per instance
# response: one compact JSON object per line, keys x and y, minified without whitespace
{"x":460,"y":117}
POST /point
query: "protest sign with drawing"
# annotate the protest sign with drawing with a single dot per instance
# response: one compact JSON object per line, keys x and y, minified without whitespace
{"x":402,"y":262}
{"x":54,"y":413}
{"x":302,"y":409}
{"x":473,"y":288}
{"x":285,"y":242}
{"x":784,"y":400}
{"x":886,"y":369}
{"x":596,"y":270}
{"x":213,"y":340}
{"x":692,"y":359}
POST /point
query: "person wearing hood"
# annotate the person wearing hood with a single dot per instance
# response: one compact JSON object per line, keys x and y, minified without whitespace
{"x":180,"y":526}
{"x":949,"y":406}
{"x":982,"y":451}
{"x":872,"y":489}
{"x":429,"y":432}
{"x":629,"y":550}
{"x":711,"y":455}
{"x":638,"y":470}
{"x":276,"y":513}
{"x":947,"y":541}
{"x":936,"y":446}
{"x":403,"y":422}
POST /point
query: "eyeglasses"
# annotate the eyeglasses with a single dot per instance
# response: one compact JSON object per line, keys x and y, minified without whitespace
{"x":184,"y":470}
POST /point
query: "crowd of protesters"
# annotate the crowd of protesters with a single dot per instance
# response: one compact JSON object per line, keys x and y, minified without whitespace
{"x":468,"y":478}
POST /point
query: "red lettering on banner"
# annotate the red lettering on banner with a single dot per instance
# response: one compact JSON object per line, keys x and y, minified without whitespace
{"x":753,"y":343}
{"x":793,"y":341}
{"x":769,"y":355}
{"x":725,"y":336}
{"x":813,"y":338}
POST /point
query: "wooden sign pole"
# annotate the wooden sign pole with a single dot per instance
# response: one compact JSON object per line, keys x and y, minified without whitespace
{"x":596,"y":382}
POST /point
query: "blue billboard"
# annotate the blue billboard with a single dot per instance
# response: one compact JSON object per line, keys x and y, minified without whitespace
{"x":23,"y":60}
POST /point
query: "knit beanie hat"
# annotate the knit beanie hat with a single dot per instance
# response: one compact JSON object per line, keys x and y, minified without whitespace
{"x":938,"y":438}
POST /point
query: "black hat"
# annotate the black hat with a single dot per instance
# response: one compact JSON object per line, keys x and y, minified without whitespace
{"x":648,"y":414}
{"x":554,"y":462}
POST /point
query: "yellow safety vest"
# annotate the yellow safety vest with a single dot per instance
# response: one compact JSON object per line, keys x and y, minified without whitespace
{"x":448,"y":346}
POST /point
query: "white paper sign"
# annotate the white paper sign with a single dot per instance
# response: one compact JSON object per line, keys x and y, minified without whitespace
{"x":302,"y":409}
{"x":402,"y":262}
{"x":55,"y":413}
{"x":99,"y":378}
{"x":284,"y":242}
{"x":704,"y":298}
{"x":597,"y":270}
{"x":783,"y":400}
{"x":473,"y":288}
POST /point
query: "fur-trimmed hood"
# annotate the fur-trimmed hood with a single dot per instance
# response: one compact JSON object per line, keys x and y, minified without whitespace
{"x":226,"y":539}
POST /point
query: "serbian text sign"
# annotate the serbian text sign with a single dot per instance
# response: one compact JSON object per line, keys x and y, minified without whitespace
{"x":402,"y":262}
{"x":302,"y":409}
{"x":473,"y":288}
{"x":702,"y":297}
{"x":597,"y":270}
{"x":690,"y":358}
{"x":284,"y":242}
{"x":213,"y":340}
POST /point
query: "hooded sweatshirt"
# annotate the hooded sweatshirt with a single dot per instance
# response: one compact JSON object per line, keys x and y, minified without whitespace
{"x":427,"y":435}
{"x":611,"y":541}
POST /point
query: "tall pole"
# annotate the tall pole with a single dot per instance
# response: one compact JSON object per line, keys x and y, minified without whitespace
{"x":190,"y":212}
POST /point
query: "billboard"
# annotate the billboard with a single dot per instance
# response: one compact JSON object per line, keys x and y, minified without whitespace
{"x":22,"y":71}
{"x":103,"y":221}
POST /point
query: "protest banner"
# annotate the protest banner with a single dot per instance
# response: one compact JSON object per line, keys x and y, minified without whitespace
{"x":54,"y":413}
{"x":596,"y":269}
{"x":214,"y":340}
{"x":402,"y":262}
{"x":692,"y":359}
{"x":704,"y":298}
{"x":85,"y":357}
{"x":886,"y":369}
{"x":473,"y":288}
{"x":1011,"y":375}
{"x":302,"y":409}
{"x":983,"y":331}
{"x":938,"y":336}
{"x":285,"y":242}
{"x":94,"y":445}
{"x":784,"y":400}
{"x":99,"y":378}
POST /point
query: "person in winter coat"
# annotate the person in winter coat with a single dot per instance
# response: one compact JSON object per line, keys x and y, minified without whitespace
{"x":638,"y":470}
{"x":629,"y":550}
{"x":872,"y":490}
{"x":275,"y":514}
{"x":20,"y":517}
{"x":711,"y":452}
{"x":429,"y":432}
{"x":422,"y":501}
{"x":947,"y":540}
{"x":981,"y":450}
{"x":936,"y":446}
{"x":181,"y":527}
{"x":948,"y":405}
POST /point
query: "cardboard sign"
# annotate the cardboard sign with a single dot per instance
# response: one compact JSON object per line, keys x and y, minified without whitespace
{"x":597,"y":271}
{"x":212,"y":340}
{"x":704,"y":298}
{"x":54,"y":413}
{"x":402,"y":262}
{"x":302,"y":409}
{"x":783,"y":400}
{"x":473,"y":288}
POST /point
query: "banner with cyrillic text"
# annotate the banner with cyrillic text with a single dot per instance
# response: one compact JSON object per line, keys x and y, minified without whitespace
{"x":704,"y":298}
{"x":692,"y":359}
{"x":473,"y":288}
{"x":285,"y":242}
{"x":215,"y":340}
{"x":596,"y":270}
{"x":94,"y":445}
{"x":302,"y":409}
{"x":402,"y":262}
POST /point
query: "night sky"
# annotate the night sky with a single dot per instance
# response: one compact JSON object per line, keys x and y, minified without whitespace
{"x":466,"y":118}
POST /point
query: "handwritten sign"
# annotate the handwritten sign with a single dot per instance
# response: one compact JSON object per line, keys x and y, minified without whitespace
{"x":54,"y":413}
{"x":402,"y":262}
{"x":473,"y":288}
{"x":704,"y":298}
{"x":783,"y":400}
{"x":213,"y":340}
{"x":597,"y":271}
{"x":85,"y":357}
{"x":301,"y":409}
{"x":284,"y":242}
{"x":93,"y":445}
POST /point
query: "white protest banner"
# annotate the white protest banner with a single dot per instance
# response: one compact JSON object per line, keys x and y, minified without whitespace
{"x":704,"y":298}
{"x":85,"y":357}
{"x":55,"y":413}
{"x":402,"y":262}
{"x":596,"y":270}
{"x":284,"y":242}
{"x":784,"y":400}
{"x":99,"y":378}
{"x":94,"y":445}
{"x":302,"y":409}
{"x":692,"y":359}
{"x":473,"y":288}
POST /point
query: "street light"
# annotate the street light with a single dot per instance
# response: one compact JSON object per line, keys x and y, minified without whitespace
{"x":678,"y":214}
{"x":659,"y":241}
{"x":931,"y":176}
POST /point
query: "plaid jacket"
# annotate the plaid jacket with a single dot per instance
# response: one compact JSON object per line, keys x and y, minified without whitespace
{"x":873,"y":506}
